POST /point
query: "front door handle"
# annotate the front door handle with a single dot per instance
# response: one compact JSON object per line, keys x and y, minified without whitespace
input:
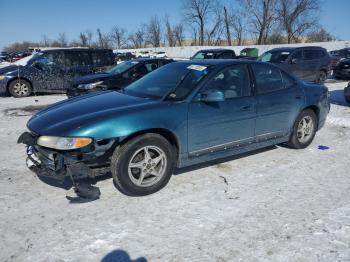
{"x":298,"y":97}
{"x":244,"y":108}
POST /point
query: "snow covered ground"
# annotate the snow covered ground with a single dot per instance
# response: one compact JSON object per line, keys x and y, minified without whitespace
{"x":277,"y":204}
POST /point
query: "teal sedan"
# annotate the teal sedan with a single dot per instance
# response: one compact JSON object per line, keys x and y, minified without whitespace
{"x":182,"y":114}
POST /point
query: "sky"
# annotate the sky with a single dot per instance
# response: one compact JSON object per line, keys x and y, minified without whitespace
{"x":29,"y":20}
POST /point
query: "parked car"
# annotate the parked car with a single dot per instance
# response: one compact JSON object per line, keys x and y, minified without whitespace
{"x":54,"y":70}
{"x":120,"y":57}
{"x":182,"y":114}
{"x":214,"y":54}
{"x":347,"y":93}
{"x":160,"y":54}
{"x":310,"y":63}
{"x":338,"y":55}
{"x":17,"y":56}
{"x":117,"y":77}
{"x":342,"y":69}
{"x":143,"y":54}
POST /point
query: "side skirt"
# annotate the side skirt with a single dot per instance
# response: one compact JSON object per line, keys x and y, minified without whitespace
{"x":187,"y":160}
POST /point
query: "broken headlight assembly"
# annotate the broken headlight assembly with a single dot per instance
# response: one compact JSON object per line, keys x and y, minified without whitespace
{"x":90,"y":86}
{"x":63,"y":143}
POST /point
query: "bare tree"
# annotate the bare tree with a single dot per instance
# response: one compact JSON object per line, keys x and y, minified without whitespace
{"x":320,"y":35}
{"x":83,"y":39}
{"x":103,"y":39}
{"x":179,"y":34}
{"x":238,"y":25}
{"x":197,"y":12}
{"x":262,"y":17}
{"x":215,"y":33}
{"x":169,"y":32}
{"x":45,"y":40}
{"x":227,"y":22}
{"x":296,"y":16}
{"x":62,"y":40}
{"x":118,"y":36}
{"x":154,"y":32}
{"x":89,"y":36}
{"x":137,"y":39}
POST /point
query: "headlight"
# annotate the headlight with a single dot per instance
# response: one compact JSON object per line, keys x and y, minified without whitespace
{"x":2,"y":77}
{"x":63,"y":143}
{"x":90,"y":86}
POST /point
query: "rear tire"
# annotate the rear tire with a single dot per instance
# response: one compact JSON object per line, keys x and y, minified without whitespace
{"x":20,"y":88}
{"x":143,"y":165}
{"x":304,"y":130}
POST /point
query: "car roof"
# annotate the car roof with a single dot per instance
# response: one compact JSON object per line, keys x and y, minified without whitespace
{"x":291,"y":49}
{"x":220,"y":62}
{"x":151,"y":59}
{"x":75,"y":49}
{"x":215,"y":50}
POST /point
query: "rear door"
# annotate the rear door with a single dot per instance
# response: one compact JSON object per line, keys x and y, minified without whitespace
{"x":217,"y":126}
{"x":279,"y":101}
{"x":296,"y":64}
{"x":312,"y":62}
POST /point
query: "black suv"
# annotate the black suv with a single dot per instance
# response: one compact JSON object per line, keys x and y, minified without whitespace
{"x":214,"y":54}
{"x":54,"y":70}
{"x":312,"y":63}
{"x":117,"y":77}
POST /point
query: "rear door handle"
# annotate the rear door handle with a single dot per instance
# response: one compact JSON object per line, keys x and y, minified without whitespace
{"x":298,"y":97}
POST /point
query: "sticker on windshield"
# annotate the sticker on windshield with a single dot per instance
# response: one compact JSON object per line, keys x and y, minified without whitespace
{"x":197,"y":67}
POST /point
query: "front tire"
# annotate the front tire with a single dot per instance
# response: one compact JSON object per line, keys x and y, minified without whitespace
{"x":143,"y":165}
{"x":304,"y":130}
{"x":20,"y":88}
{"x":322,"y":77}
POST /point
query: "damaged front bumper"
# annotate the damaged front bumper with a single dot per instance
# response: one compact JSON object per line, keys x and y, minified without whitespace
{"x":67,"y":167}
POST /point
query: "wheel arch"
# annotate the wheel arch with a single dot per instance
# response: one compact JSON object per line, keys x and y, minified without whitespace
{"x":18,"y":78}
{"x":166,"y":133}
{"x":315,"y":109}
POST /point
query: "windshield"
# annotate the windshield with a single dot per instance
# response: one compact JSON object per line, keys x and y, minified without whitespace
{"x":122,"y":67}
{"x":176,"y":79}
{"x":205,"y":55}
{"x":274,"y":57}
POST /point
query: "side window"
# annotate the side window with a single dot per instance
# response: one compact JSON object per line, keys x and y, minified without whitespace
{"x":226,"y":55}
{"x":52,"y":58}
{"x":297,"y":56}
{"x":288,"y":80}
{"x":310,"y":54}
{"x":268,"y":78}
{"x":74,"y":58}
{"x":233,"y":82}
{"x":151,"y":67}
{"x":101,"y":58}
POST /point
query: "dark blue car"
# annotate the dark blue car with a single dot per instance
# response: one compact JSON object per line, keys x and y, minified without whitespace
{"x":53,"y":71}
{"x":179,"y":115}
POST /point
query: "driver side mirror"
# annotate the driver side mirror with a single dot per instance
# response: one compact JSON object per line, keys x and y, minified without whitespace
{"x":212,"y":96}
{"x":38,"y":65}
{"x":294,"y":60}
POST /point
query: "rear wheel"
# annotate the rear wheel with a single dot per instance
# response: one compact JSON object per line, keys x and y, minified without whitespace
{"x":143,"y":165}
{"x":20,"y":88}
{"x":304,"y":130}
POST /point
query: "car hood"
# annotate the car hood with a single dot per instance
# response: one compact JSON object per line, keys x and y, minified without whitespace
{"x":66,"y":116}
{"x":94,"y":78}
{"x":8,"y":69}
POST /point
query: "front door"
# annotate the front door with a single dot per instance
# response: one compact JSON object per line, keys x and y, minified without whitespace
{"x":217,"y":126}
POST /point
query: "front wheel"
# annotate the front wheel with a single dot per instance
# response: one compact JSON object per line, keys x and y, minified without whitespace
{"x":304,"y":130}
{"x":143,"y":165}
{"x":322,"y":77}
{"x":20,"y":88}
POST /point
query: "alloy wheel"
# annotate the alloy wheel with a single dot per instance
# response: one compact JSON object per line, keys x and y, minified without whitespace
{"x":20,"y":89}
{"x":147,"y":166}
{"x":305,"y":129}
